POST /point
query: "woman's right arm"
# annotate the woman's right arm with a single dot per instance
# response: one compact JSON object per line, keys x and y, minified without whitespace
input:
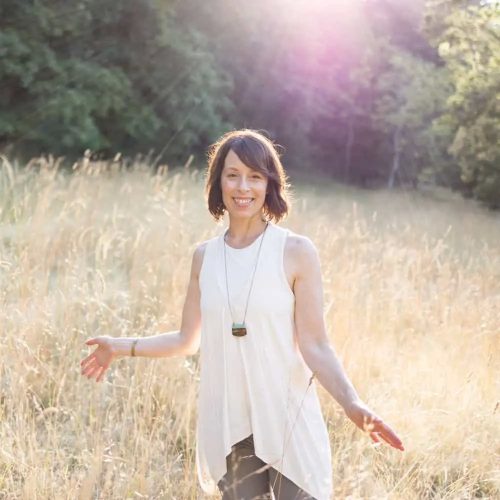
{"x":181,"y":342}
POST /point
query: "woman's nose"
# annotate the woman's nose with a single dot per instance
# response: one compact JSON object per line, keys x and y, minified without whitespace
{"x":243,"y":184}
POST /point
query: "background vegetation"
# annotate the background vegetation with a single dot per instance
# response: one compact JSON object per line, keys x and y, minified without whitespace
{"x":378,"y":93}
{"x":411,"y":306}
{"x":370,"y":92}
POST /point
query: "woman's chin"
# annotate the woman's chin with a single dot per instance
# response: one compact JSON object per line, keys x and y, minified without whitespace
{"x":240,"y":213}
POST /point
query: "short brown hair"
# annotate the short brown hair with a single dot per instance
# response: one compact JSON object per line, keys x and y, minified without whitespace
{"x":256,"y":151}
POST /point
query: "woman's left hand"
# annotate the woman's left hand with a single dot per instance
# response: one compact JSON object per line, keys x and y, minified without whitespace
{"x":369,"y":422}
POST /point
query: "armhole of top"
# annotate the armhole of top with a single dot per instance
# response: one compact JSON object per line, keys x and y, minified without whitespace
{"x":282,"y":264}
{"x":203,"y":265}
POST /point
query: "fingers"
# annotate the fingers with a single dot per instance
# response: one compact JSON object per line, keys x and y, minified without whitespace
{"x":91,"y":355}
{"x":87,"y":360}
{"x":100,"y":376}
{"x":370,"y":422}
{"x":394,"y":441}
{"x":389,"y":436}
{"x":88,"y":366}
{"x":378,"y":429}
{"x":94,"y":370}
{"x":369,"y":425}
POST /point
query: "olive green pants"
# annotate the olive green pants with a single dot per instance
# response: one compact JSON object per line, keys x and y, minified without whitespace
{"x":245,"y":480}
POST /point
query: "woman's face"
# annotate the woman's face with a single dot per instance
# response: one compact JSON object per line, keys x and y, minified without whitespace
{"x":243,"y":189}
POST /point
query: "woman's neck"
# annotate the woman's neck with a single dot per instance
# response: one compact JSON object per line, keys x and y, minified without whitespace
{"x":242,"y":232}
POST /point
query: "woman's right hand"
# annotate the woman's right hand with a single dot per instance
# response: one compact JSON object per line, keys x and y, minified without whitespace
{"x":97,"y":362}
{"x":369,"y":422}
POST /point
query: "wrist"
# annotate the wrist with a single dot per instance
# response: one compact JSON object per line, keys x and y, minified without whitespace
{"x":132,"y":349}
{"x":122,"y":347}
{"x":349,"y":405}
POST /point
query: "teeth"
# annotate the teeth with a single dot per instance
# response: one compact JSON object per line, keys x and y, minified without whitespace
{"x":243,"y":201}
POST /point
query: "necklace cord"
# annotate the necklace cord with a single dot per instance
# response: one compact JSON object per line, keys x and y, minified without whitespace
{"x":253,"y":276}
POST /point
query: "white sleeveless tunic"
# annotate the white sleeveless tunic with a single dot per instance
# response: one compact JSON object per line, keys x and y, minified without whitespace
{"x":256,"y":384}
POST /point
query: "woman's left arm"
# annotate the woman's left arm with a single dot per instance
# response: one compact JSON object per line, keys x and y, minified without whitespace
{"x":316,"y":349}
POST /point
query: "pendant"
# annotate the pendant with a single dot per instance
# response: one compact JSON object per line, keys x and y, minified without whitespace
{"x":239,"y":329}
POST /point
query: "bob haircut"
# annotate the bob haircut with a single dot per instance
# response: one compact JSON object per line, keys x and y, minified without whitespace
{"x":257,"y":152}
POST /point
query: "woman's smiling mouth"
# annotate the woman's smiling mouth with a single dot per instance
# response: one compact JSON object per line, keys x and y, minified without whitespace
{"x":243,"y":202}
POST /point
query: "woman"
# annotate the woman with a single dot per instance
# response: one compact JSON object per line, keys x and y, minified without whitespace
{"x":254,"y":309}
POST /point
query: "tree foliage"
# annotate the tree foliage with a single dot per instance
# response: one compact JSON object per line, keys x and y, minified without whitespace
{"x":106,"y":76}
{"x":470,"y":45}
{"x":369,"y":91}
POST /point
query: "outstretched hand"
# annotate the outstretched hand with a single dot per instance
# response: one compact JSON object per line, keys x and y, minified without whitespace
{"x":369,"y":422}
{"x":97,"y":362}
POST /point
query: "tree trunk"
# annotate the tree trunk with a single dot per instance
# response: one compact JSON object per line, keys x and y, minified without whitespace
{"x":396,"y":146}
{"x":348,"y":149}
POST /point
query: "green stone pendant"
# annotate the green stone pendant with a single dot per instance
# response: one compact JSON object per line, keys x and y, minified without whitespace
{"x":239,"y":329}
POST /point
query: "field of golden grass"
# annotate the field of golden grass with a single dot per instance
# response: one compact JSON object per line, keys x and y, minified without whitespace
{"x":412,"y":304}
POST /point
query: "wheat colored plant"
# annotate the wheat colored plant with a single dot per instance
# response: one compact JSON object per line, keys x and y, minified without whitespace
{"x":412,"y":305}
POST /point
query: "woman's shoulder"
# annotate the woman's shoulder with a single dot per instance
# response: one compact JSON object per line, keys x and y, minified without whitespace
{"x":201,"y":246}
{"x":298,"y":243}
{"x":199,"y":253}
{"x":300,"y":252}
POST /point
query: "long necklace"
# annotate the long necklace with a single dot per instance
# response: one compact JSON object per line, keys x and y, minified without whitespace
{"x":240,"y":329}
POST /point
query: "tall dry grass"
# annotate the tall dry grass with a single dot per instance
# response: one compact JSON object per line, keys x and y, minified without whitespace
{"x":412,"y":303}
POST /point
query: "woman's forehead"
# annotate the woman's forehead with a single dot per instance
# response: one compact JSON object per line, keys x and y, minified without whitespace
{"x":233,"y":161}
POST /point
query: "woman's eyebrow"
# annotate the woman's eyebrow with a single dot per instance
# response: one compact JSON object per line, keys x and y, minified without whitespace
{"x":237,"y":170}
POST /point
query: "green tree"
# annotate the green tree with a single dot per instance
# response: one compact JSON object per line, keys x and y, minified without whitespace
{"x":471,"y":48}
{"x":106,"y":76}
{"x":411,"y":94}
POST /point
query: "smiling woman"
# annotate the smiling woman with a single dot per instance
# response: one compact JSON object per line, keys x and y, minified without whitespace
{"x":254,"y":310}
{"x":241,"y":164}
{"x":238,"y":180}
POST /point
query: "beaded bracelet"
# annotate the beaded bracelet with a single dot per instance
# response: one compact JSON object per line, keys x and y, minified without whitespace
{"x":133,"y":347}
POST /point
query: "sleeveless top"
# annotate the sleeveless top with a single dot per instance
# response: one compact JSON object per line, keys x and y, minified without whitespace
{"x":257,"y":384}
